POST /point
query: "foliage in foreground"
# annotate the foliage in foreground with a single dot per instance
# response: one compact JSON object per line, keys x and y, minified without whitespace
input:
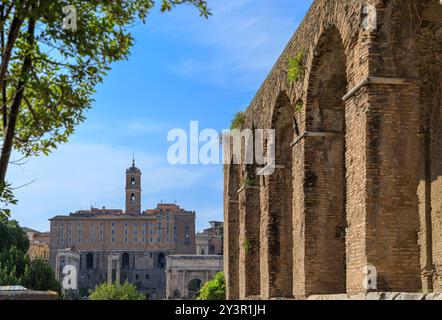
{"x":214,"y":289}
{"x":15,"y":265}
{"x":116,"y":291}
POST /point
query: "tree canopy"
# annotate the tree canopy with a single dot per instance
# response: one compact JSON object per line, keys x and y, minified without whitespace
{"x":15,"y":265}
{"x":48,"y":72}
{"x":125,"y":291}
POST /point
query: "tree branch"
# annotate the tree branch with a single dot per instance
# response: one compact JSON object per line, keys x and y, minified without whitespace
{"x":15,"y":107}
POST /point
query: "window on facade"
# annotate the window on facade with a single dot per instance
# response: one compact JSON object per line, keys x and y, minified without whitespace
{"x":159,"y":239}
{"x":136,"y":277}
{"x":125,"y":240}
{"x":125,"y":260}
{"x":126,"y":231}
{"x":147,"y":276}
{"x":132,"y":181}
{"x":89,"y":261}
{"x":113,"y":239}
{"x":135,"y":231}
{"x":136,"y":240}
{"x":132,"y":197}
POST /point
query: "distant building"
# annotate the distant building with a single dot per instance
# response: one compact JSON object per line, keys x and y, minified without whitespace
{"x":186,"y":274}
{"x":38,"y":244}
{"x":210,"y":240}
{"x":140,"y":241}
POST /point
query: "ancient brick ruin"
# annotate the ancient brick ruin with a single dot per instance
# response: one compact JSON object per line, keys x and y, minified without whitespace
{"x":358,"y":179}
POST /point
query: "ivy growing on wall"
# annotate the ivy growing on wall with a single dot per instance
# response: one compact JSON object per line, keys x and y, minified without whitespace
{"x":249,"y":182}
{"x":238,"y":120}
{"x":247,"y":246}
{"x":295,"y":67}
{"x":298,"y":106}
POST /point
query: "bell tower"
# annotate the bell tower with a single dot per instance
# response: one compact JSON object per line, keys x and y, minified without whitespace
{"x":133,"y":190}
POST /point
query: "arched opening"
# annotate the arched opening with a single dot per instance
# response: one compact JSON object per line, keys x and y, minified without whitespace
{"x":161,"y":261}
{"x":89,"y":261}
{"x":125,"y":260}
{"x":176,"y":294}
{"x":194,"y":287}
{"x":325,"y":169}
{"x":277,"y":218}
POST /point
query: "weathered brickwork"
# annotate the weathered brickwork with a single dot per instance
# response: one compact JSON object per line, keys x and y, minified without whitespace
{"x":358,"y":178}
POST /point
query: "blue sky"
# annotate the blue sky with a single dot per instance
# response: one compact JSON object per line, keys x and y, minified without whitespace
{"x":182,"y":68}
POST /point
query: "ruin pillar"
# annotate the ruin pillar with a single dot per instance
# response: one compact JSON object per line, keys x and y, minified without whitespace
{"x":392,"y":210}
{"x":231,"y":231}
{"x":249,"y":267}
{"x":276,"y":234}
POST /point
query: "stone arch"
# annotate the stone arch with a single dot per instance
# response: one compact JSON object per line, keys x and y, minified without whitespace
{"x":325,"y":169}
{"x":194,"y":287}
{"x":125,"y":260}
{"x":176,"y":294}
{"x":89,"y":261}
{"x":276,"y":220}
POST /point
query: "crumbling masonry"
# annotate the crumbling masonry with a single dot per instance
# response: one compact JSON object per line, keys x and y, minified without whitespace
{"x":358,"y":178}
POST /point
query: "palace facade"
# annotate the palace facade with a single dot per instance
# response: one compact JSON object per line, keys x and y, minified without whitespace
{"x":141,"y":241}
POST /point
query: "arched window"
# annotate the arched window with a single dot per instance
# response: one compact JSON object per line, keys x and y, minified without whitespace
{"x":125,"y":260}
{"x":89,"y":261}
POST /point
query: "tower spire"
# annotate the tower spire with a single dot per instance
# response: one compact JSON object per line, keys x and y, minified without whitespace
{"x":133,"y":159}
